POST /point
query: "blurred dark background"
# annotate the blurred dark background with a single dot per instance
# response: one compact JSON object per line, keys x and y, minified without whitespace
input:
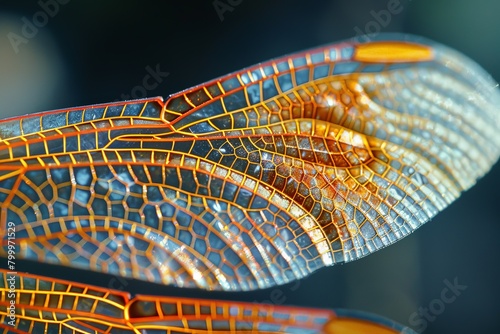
{"x":93,"y":52}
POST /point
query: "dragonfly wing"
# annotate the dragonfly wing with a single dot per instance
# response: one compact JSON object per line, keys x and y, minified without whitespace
{"x":257,"y":178}
{"x":46,"y":305}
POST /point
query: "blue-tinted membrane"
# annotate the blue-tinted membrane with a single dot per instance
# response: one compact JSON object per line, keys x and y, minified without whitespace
{"x":16,"y":200}
{"x":101,"y":156}
{"x":6,"y":154}
{"x":236,"y":100}
{"x":345,"y":67}
{"x":178,"y":104}
{"x":197,"y":324}
{"x":321,"y":71}
{"x":183,"y":146}
{"x":317,"y":58}
{"x":269,"y":89}
{"x":259,"y":203}
{"x":373,"y":68}
{"x":31,"y":124}
{"x":133,"y":203}
{"x":304,"y":318}
{"x":198,"y":97}
{"x":267,"y":327}
{"x":283,"y":66}
{"x":216,"y":187}
{"x":268,"y":70}
{"x":201,"y":148}
{"x":302,"y":76}
{"x":41,"y":327}
{"x":150,"y":216}
{"x":123,"y":144}
{"x":52,"y":121}
{"x":228,"y":160}
{"x":82,"y":196}
{"x":139,"y":172}
{"x":200,"y":246}
{"x":37,"y":148}
{"x":99,"y":207}
{"x":285,"y":82}
{"x":112,"y":156}
{"x":29,"y":192}
{"x":152,"y":110}
{"x":72,"y":144}
{"x":114,"y":111}
{"x":257,"y":74}
{"x":133,"y":109}
{"x":214,"y":156}
{"x":102,"y":138}
{"x":88,"y":141}
{"x":347,"y":52}
{"x":300,"y":61}
{"x":315,"y":262}
{"x":200,"y":228}
{"x":227,"y":269}
{"x":47,"y":191}
{"x":172,"y":178}
{"x":10,"y":129}
{"x":203,"y":127}
{"x":232,"y":258}
{"x":333,"y":54}
{"x":75,"y":116}
{"x":231,"y":83}
{"x":208,"y":111}
{"x":278,"y":315}
{"x":215,"y":243}
{"x":156,"y":174}
{"x":240,"y":165}
{"x":397,"y":66}
{"x":47,"y":160}
{"x":19,"y":152}
{"x":101,"y":188}
{"x":36,"y":177}
{"x":220,"y":325}
{"x":253,"y":93}
{"x":155,"y":144}
{"x":93,"y":114}
{"x":245,"y":78}
{"x":214,"y":90}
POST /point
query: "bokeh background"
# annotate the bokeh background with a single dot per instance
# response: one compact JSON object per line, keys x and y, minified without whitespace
{"x":93,"y":52}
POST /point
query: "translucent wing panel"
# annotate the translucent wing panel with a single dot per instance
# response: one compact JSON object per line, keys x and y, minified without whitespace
{"x":57,"y":122}
{"x":256,"y":178}
{"x":196,"y":230}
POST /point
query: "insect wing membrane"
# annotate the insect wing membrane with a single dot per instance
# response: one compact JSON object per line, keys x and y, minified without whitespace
{"x":52,"y":306}
{"x":257,"y":178}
